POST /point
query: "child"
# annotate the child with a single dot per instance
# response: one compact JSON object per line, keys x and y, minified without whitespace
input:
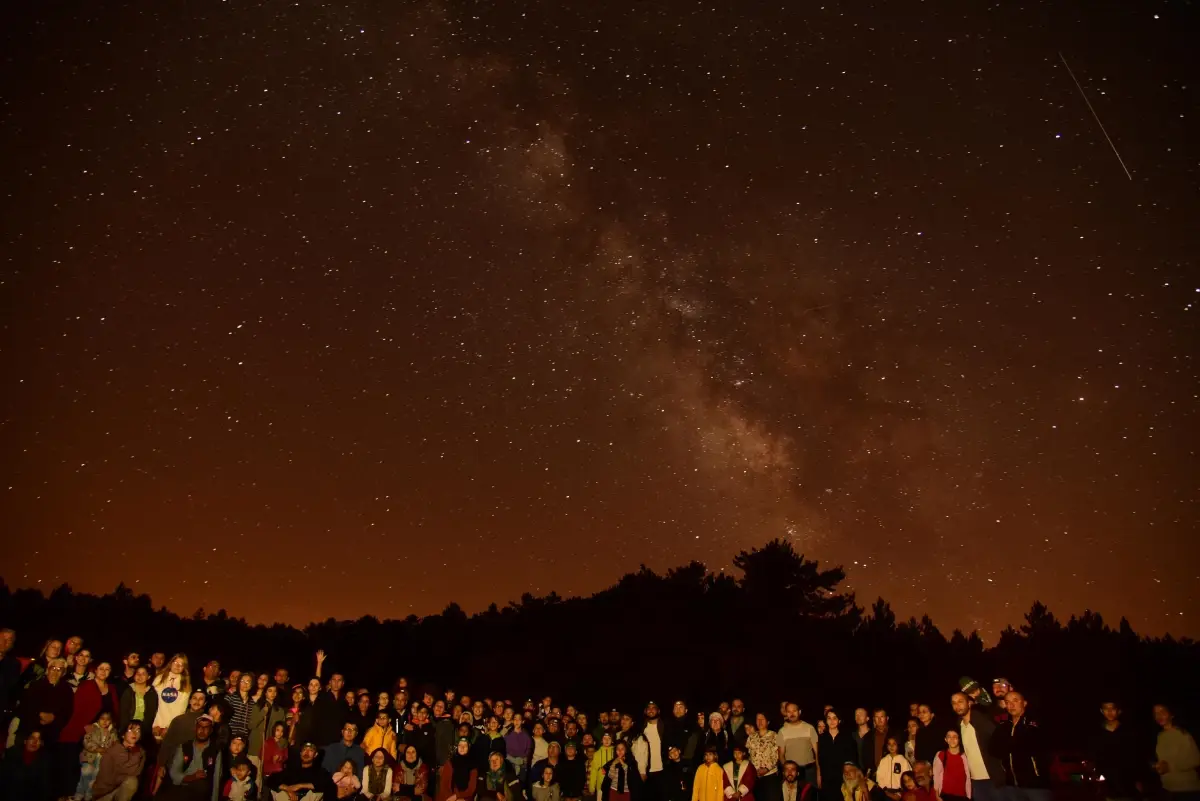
{"x":377,"y":777}
{"x":891,"y":768}
{"x":908,"y":786}
{"x":346,"y":781}
{"x":951,"y":776}
{"x":275,"y":751}
{"x":546,"y":789}
{"x":240,"y":786}
{"x":99,"y":736}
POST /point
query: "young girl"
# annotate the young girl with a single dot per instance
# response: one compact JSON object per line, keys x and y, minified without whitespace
{"x":275,"y":751}
{"x":910,"y":745}
{"x":346,"y":780}
{"x":96,"y":741}
{"x":891,"y":768}
{"x":908,"y":786}
{"x":545,"y":788}
{"x":951,"y":776}
{"x":377,"y":777}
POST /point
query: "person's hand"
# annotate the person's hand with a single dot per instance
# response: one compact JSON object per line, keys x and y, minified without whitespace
{"x":819,"y":782}
{"x":293,"y":795}
{"x":46,"y":717}
{"x":158,"y":731}
{"x":729,"y":792}
{"x":452,"y":797}
{"x":643,"y":775}
{"x":408,"y":727}
{"x":320,"y":657}
{"x":1162,"y":767}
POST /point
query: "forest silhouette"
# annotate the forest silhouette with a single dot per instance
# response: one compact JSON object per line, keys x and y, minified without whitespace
{"x":780,"y":630}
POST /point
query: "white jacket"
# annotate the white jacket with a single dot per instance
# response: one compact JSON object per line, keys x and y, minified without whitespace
{"x":887,"y":775}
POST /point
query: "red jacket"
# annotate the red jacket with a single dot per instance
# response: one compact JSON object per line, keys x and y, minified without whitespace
{"x":88,"y":702}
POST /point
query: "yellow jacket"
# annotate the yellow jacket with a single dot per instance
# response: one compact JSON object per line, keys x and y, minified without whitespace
{"x":379,"y":738}
{"x":709,"y":784}
{"x":602,"y":757}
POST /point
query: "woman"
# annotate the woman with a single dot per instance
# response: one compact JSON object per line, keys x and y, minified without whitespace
{"x":912,"y":729}
{"x":716,"y":736}
{"x":764,"y":755}
{"x":835,"y":747}
{"x":621,"y":781}
{"x":541,"y":747}
{"x":275,"y":750}
{"x":740,"y":775}
{"x":495,"y":740}
{"x":241,"y":705}
{"x":265,"y":715}
{"x":173,"y":685}
{"x":951,"y":776}
{"x":377,"y":778}
{"x":362,"y":716}
{"x":79,"y":669}
{"x":91,"y":699}
{"x":458,"y":778}
{"x":139,"y":702}
{"x":51,"y":649}
{"x":383,"y":702}
{"x":295,"y":711}
{"x":48,"y":705}
{"x":410,"y":779}
{"x":260,"y":686}
{"x":501,"y":782}
{"x":121,"y":765}
{"x":1177,"y":756}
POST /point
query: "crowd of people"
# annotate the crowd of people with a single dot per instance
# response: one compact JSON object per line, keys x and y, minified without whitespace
{"x":87,"y":729}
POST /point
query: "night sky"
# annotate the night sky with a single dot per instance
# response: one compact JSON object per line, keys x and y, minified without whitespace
{"x":328,"y":309}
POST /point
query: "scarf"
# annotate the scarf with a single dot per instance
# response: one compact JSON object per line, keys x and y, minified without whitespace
{"x":497,"y":779}
{"x":461,"y":766}
{"x":617,"y":774}
{"x":376,"y":778}
{"x":408,"y":771}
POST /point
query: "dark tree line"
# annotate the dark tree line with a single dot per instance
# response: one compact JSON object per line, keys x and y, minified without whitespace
{"x":782,"y":630}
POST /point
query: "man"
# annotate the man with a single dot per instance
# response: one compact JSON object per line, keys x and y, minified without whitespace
{"x":1001,"y":687}
{"x":336,"y":682}
{"x":25,"y":772}
{"x":602,"y":725}
{"x":737,"y":722}
{"x":625,"y":731}
{"x":976,"y":728}
{"x":552,"y":761}
{"x":572,"y":773}
{"x":197,"y":766}
{"x":793,"y":787}
{"x":930,"y":736}
{"x":73,"y":646}
{"x":282,"y":677}
{"x":649,"y":751}
{"x":857,"y":787}
{"x":10,"y":678}
{"x":343,"y":749}
{"x":157,"y":660}
{"x":420,"y":734}
{"x":1020,"y":745}
{"x":120,"y":767}
{"x":798,"y":743}
{"x":213,"y":685}
{"x":923,"y":775}
{"x":1114,"y":751}
{"x":862,"y":731}
{"x":124,"y":677}
{"x":683,"y":734}
{"x":304,"y":779}
{"x":181,"y":729}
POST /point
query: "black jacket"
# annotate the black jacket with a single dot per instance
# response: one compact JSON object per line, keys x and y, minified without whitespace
{"x":424,"y":739}
{"x":25,"y":782}
{"x":985,"y":728}
{"x":633,"y":781}
{"x":1022,"y":749}
{"x":1121,"y":759}
{"x":572,"y":776}
{"x":128,"y":704}
{"x":674,"y":785}
{"x":55,"y":699}
{"x":931,"y":739}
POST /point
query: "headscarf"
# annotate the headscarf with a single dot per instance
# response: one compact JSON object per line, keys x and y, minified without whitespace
{"x":408,"y":770}
{"x":461,"y":765}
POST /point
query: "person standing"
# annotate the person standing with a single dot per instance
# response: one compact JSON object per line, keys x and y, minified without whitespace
{"x":709,"y":783}
{"x":798,"y":743}
{"x":976,"y":728}
{"x":874,"y":744}
{"x":739,"y":775}
{"x":764,"y":755}
{"x":1178,"y":758}
{"x":649,"y":750}
{"x":1021,"y":746}
{"x":930,"y":736}
{"x":10,"y":678}
{"x":836,"y":747}
{"x":1114,"y":752}
{"x":951,"y":776}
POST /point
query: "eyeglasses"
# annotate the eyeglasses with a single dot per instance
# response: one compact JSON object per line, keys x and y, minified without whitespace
{"x":59,"y":669}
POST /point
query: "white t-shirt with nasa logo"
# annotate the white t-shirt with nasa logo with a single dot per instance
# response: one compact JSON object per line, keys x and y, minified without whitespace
{"x":172,"y":700}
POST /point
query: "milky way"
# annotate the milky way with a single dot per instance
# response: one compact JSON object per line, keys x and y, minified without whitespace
{"x":338,"y":309}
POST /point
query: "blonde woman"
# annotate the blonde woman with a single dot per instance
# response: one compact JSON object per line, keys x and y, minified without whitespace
{"x":173,"y":685}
